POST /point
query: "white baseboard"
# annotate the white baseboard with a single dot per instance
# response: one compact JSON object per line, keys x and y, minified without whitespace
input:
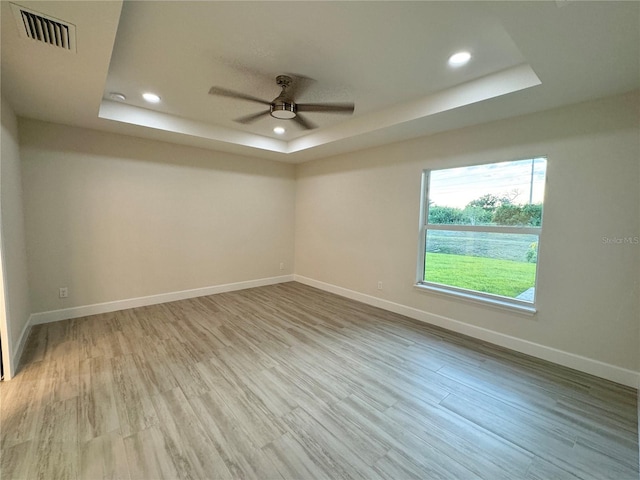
{"x":85,"y":310}
{"x":600,"y":369}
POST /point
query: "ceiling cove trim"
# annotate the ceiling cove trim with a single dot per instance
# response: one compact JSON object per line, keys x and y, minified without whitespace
{"x":110,"y":110}
{"x":507,"y":81}
{"x":494,"y":85}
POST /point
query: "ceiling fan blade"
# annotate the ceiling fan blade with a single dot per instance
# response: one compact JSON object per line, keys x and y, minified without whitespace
{"x":223,"y":92}
{"x":304,"y":123}
{"x":252,"y":118}
{"x":326,"y":107}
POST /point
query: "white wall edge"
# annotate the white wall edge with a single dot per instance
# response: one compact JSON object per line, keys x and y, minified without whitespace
{"x":17,"y":354}
{"x":86,"y":310}
{"x":577,"y":362}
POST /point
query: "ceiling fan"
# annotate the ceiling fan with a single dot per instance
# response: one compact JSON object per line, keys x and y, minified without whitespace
{"x":284,"y":106}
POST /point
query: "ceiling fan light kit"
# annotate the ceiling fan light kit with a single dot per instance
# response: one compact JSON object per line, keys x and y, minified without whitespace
{"x":283,"y":107}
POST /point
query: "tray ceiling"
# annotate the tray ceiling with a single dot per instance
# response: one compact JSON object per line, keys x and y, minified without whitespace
{"x":389,"y":58}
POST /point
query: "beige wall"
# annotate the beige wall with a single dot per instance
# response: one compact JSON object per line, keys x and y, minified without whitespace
{"x":357,"y":224}
{"x":114,"y":217}
{"x":14,"y":260}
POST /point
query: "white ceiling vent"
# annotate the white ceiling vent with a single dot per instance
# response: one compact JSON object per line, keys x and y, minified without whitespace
{"x":44,"y":28}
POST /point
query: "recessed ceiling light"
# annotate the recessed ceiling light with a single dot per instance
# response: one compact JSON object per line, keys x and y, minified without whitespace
{"x":117,"y":96}
{"x":151,"y":97}
{"x":459,"y":58}
{"x":279,"y":130}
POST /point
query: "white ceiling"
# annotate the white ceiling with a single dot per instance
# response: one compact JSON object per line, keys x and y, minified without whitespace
{"x":389,"y":58}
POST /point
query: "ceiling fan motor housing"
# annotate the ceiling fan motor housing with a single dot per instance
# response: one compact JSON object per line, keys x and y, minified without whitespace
{"x":282,"y":107}
{"x":283,"y":110}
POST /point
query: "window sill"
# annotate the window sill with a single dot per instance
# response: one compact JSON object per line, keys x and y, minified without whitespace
{"x":468,"y":296}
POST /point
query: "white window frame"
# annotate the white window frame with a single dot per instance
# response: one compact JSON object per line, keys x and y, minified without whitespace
{"x":475,"y":296}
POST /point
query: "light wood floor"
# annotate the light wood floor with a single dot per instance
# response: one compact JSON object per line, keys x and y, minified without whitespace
{"x":290,"y":382}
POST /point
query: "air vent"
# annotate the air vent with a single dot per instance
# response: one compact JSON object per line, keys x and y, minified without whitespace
{"x":45,"y":29}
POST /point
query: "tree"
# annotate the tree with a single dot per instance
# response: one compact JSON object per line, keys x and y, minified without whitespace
{"x":481,"y":210}
{"x":488,"y":209}
{"x":530,"y":215}
{"x":445,"y":215}
{"x":534,"y":211}
{"x":476,"y":215}
{"x":488,"y":202}
{"x":511,"y":195}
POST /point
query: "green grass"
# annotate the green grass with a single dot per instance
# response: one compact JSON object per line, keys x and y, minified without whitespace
{"x":499,"y":277}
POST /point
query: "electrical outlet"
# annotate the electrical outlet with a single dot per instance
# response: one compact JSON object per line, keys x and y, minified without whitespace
{"x":63,"y":292}
{"x":281,"y":265}
{"x":379,"y":285}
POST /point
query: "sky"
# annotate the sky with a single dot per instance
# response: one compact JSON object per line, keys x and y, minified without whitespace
{"x":456,"y":187}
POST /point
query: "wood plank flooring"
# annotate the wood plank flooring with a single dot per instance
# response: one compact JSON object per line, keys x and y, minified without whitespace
{"x":287,"y":381}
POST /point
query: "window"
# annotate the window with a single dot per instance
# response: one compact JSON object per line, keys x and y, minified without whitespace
{"x":480,"y":231}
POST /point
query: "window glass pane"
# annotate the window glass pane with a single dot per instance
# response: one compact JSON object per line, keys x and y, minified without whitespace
{"x":495,"y":263}
{"x":507,"y":193}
